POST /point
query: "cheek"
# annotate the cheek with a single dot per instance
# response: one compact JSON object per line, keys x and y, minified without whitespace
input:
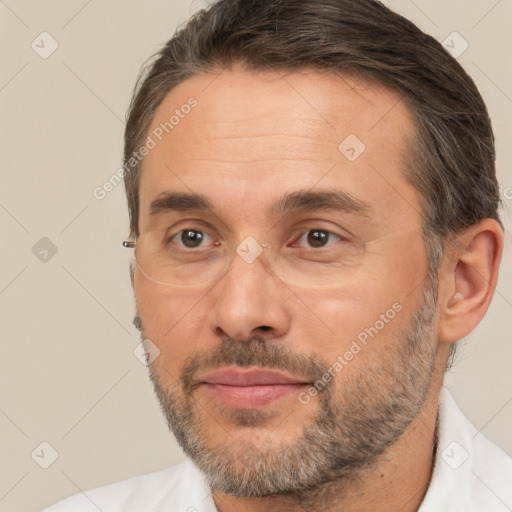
{"x":362,"y":334}
{"x":171,"y":320}
{"x":370,"y":309}
{"x":335,"y":319}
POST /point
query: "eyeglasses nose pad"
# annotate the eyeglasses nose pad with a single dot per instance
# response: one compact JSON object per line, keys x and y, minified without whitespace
{"x":249,"y":250}
{"x":250,"y":253}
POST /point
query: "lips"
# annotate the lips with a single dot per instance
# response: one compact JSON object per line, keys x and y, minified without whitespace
{"x":250,"y":388}
{"x":249,"y":377}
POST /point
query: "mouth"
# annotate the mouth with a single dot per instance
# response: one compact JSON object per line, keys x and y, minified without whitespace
{"x":251,"y":388}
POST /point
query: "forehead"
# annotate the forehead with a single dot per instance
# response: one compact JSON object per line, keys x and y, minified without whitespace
{"x":243,"y":138}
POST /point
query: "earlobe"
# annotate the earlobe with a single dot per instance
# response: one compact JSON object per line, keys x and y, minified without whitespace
{"x":468,"y":278}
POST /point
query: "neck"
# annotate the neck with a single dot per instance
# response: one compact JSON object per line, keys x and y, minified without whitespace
{"x":397,"y":481}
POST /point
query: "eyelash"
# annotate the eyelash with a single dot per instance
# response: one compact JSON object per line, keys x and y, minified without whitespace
{"x":341,"y":238}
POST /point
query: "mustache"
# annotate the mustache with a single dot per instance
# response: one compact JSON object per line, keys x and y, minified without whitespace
{"x":256,"y":351}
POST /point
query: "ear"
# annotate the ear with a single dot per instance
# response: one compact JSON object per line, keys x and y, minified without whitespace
{"x":467,"y":279}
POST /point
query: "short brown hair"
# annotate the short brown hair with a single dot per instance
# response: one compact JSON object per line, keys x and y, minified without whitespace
{"x":451,"y":158}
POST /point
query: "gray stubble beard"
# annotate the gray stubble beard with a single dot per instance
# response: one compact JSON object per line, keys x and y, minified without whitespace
{"x":352,"y":429}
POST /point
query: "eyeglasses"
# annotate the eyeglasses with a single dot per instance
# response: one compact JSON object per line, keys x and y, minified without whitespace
{"x":315,"y":258}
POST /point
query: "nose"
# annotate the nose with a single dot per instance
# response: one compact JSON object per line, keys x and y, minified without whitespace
{"x":249,"y":300}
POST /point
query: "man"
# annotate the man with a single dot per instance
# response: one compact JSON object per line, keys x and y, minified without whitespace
{"x":313,"y":207}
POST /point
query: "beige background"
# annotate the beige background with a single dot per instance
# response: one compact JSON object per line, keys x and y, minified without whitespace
{"x":68,"y":375}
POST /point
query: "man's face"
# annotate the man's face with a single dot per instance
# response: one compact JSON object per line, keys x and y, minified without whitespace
{"x":337,"y":295}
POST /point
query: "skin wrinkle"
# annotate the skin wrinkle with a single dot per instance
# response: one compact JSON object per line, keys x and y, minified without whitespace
{"x":256,"y":161}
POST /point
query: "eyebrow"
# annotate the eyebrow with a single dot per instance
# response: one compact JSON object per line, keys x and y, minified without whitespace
{"x":179,"y":202}
{"x":299,"y":201}
{"x":305,"y":201}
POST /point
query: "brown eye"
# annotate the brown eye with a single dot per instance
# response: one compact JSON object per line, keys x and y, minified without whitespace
{"x":318,"y":238}
{"x":191,"y":238}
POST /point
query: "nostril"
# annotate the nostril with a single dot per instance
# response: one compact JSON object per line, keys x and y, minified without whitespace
{"x":219,"y":332}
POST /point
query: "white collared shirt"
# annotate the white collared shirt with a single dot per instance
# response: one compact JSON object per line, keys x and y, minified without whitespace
{"x":470,"y":474}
